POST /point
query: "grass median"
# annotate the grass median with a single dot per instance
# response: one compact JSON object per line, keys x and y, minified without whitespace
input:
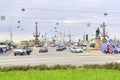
{"x":71,"y":74}
{"x":108,"y":71}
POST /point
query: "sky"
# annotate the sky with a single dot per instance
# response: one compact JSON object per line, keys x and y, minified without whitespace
{"x":73,"y":17}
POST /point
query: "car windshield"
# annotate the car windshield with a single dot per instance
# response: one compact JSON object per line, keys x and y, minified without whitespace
{"x":20,"y":47}
{"x":77,"y":48}
{"x":43,"y":47}
{"x":117,"y":45}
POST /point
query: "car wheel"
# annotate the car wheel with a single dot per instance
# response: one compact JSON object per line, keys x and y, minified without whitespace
{"x":14,"y":54}
{"x":81,"y":51}
{"x":104,"y":51}
{"x":28,"y":53}
{"x":115,"y":51}
{"x":22,"y":54}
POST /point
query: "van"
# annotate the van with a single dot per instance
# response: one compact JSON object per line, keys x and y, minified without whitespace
{"x":105,"y":48}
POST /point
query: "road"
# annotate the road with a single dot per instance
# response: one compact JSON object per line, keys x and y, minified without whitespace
{"x":57,"y":57}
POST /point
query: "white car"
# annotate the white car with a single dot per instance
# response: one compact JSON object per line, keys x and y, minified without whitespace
{"x":76,"y":49}
{"x":22,"y":49}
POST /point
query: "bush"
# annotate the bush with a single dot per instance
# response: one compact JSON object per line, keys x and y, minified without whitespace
{"x":67,"y":66}
{"x":87,"y":66}
{"x":112,"y":65}
{"x":42,"y":67}
{"x":36,"y":67}
{"x":6,"y":68}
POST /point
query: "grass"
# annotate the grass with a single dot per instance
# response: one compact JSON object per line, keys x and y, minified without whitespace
{"x":71,"y":74}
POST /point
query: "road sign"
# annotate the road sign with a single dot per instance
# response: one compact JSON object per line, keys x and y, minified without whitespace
{"x":110,"y":40}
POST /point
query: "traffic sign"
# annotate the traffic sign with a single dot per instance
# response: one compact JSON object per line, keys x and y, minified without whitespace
{"x":110,"y":40}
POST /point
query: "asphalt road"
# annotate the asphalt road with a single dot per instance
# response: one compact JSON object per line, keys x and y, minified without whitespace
{"x":58,"y":57}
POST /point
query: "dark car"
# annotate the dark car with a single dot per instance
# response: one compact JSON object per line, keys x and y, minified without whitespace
{"x":38,"y":45}
{"x":92,"y":45}
{"x":59,"y":48}
{"x":43,"y":49}
{"x":63,"y":46}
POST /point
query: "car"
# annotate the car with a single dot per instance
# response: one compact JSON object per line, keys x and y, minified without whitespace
{"x":59,"y":48}
{"x":92,"y":45}
{"x":1,"y":50}
{"x":63,"y":46}
{"x":22,"y":50}
{"x":5,"y":48}
{"x":38,"y":45}
{"x":43,"y":49}
{"x":76,"y":49}
{"x":118,"y":47}
{"x":52,"y":45}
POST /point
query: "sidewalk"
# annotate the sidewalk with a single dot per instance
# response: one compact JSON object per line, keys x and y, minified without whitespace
{"x":92,"y":53}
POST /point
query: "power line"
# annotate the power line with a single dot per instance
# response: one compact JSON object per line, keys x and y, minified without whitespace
{"x":71,"y":10}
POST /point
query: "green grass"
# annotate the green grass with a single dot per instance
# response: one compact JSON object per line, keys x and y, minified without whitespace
{"x":74,"y":74}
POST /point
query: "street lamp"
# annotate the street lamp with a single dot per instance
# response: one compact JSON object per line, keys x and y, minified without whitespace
{"x":55,"y":32}
{"x":56,"y":36}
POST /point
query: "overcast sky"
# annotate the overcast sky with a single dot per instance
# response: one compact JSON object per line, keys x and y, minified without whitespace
{"x":72,"y":16}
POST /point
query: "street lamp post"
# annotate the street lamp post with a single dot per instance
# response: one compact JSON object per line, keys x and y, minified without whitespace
{"x":87,"y":40}
{"x":69,"y":37}
{"x":56,"y":32}
{"x":11,"y":40}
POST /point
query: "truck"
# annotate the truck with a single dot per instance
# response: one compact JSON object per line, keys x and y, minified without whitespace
{"x":22,"y":50}
{"x":105,"y":48}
